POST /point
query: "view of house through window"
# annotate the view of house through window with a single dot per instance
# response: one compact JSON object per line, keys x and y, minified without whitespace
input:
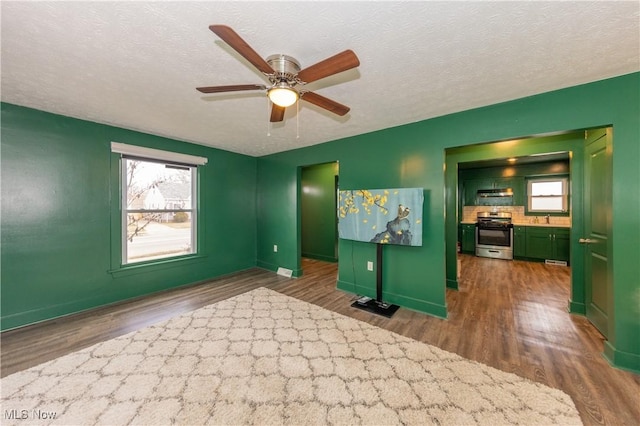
{"x":548,"y":195}
{"x":159,"y":219}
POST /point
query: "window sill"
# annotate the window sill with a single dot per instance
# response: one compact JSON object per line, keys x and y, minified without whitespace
{"x":127,"y":270}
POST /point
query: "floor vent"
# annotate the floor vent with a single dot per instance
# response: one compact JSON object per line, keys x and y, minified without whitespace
{"x":285,"y":272}
{"x":555,"y":262}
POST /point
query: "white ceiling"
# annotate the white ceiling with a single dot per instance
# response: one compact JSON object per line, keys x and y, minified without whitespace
{"x":136,"y":64}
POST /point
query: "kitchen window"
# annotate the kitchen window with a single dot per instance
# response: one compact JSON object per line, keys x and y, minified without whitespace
{"x":548,"y":195}
{"x":158,"y":205}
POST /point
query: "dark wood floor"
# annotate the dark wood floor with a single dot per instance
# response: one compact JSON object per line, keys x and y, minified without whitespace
{"x":509,"y":315}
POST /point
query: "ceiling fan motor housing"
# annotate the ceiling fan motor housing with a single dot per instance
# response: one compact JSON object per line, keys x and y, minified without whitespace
{"x":286,"y":69}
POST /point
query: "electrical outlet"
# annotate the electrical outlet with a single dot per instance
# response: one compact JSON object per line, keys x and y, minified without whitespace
{"x":275,"y":248}
{"x":369,"y":266}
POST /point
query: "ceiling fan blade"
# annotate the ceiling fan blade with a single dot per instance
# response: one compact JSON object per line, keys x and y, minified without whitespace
{"x":341,"y":62}
{"x":277,"y":113}
{"x":233,"y":88}
{"x":325,"y":103}
{"x":239,"y":45}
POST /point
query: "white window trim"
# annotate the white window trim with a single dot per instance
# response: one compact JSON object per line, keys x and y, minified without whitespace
{"x":565,"y":194}
{"x":150,"y":154}
{"x":157,"y":154}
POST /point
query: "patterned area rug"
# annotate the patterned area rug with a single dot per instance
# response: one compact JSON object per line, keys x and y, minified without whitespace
{"x":265,"y":358}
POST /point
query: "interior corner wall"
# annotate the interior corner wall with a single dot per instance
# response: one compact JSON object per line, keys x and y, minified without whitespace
{"x":413,"y":155}
{"x":57,"y":207}
{"x":371,"y":161}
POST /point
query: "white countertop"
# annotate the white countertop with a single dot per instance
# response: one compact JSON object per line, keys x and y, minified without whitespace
{"x":554,"y":225}
{"x":546,"y":225}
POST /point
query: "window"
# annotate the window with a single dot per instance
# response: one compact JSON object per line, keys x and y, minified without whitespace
{"x":548,"y":195}
{"x":158,"y":205}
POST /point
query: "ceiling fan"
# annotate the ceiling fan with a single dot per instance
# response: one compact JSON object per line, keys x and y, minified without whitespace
{"x":285,"y":76}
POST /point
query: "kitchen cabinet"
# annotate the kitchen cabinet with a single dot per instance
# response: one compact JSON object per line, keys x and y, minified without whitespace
{"x":561,"y":239}
{"x":498,"y":183}
{"x":519,"y":241}
{"x":471,"y":187}
{"x":470,"y":190}
{"x":519,"y":191}
{"x":468,"y":238}
{"x":494,"y":183}
{"x":547,"y":243}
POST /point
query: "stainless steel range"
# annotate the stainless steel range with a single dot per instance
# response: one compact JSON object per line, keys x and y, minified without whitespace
{"x":494,"y":235}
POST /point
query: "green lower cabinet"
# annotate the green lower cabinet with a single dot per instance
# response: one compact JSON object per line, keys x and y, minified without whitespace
{"x":547,"y":243}
{"x":538,"y":243}
{"x":561,"y":244}
{"x":468,"y":233}
{"x":519,"y":241}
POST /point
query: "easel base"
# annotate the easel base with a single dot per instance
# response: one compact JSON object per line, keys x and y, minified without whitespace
{"x":376,"y":307}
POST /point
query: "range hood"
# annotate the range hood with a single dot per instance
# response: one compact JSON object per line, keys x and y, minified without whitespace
{"x":498,"y":192}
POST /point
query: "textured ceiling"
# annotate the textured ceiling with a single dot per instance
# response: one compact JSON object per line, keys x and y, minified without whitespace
{"x":136,"y":64}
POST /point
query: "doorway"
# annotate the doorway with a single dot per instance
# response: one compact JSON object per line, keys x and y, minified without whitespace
{"x":572,"y":142}
{"x":318,"y":204}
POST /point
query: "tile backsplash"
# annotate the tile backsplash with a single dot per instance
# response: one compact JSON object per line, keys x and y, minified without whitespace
{"x":469,"y":214}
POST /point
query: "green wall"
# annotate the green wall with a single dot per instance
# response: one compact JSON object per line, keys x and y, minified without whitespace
{"x":318,"y":209}
{"x":57,"y":205}
{"x":59,"y":196}
{"x":413,"y":155}
{"x":411,"y":274}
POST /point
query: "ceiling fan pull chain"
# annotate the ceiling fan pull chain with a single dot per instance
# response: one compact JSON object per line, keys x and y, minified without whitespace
{"x":298,"y":120}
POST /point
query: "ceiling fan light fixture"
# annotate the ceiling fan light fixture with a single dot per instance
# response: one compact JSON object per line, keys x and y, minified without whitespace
{"x":283,"y":95}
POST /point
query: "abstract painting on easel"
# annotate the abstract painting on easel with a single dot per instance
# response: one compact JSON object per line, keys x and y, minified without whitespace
{"x":381,"y":216}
